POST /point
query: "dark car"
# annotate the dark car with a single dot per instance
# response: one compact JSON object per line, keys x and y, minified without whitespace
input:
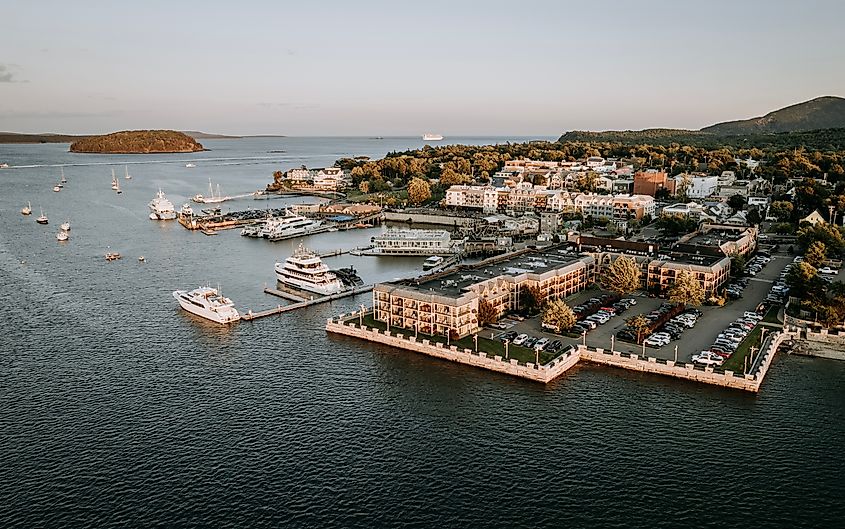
{"x":626,"y":335}
{"x":553,"y":346}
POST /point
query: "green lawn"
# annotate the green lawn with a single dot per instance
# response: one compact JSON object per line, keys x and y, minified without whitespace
{"x":772,"y":314}
{"x":736,"y":362}
{"x":490,"y":346}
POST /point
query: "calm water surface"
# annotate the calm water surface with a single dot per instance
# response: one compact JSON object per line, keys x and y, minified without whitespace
{"x":118,"y":410}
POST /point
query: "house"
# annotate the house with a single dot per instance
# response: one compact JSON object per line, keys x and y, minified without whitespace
{"x":759,"y":201}
{"x":692,"y":210}
{"x":699,"y":186}
{"x":813,"y":218}
{"x":649,"y":182}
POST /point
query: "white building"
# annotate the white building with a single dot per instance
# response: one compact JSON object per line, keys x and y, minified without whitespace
{"x":617,"y":208}
{"x":702,"y":186}
{"x":692,"y":210}
{"x":485,"y":198}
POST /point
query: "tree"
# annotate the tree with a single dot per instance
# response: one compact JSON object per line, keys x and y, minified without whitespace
{"x":662,"y":194}
{"x":449,"y":177}
{"x":737,"y":202}
{"x":830,"y":235}
{"x":738,"y":263}
{"x":639,"y":324}
{"x":686,"y":290}
{"x":781,"y":210}
{"x":622,"y":276}
{"x":816,"y":254}
{"x":486,"y":313}
{"x":364,"y":187}
{"x":753,"y":217}
{"x":676,"y":224}
{"x":559,"y":315}
{"x":529,"y":298}
{"x":419,"y":191}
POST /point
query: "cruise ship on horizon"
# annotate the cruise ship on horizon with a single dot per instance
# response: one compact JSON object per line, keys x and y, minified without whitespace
{"x":428,"y":136}
{"x":289,"y":227}
{"x":207,"y":303}
{"x":305,"y":270}
{"x":161,"y":208}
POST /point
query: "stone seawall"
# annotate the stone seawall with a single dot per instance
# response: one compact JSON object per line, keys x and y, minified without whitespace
{"x":539,"y":373}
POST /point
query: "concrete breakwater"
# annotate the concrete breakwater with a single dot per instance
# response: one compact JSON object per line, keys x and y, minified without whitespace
{"x":546,"y":373}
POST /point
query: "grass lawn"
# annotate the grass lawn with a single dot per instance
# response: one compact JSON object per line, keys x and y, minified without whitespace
{"x":490,"y":346}
{"x":385,"y":197}
{"x":772,"y":314}
{"x":736,"y":362}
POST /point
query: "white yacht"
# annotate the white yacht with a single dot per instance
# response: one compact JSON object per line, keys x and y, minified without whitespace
{"x":305,"y":270}
{"x":187,"y":210}
{"x":65,"y":226}
{"x":413,"y":242}
{"x":27,"y":210}
{"x":289,"y":227}
{"x":162,"y":209}
{"x":207,"y":303}
{"x":62,"y":236}
{"x":252,"y":230}
{"x":428,"y":136}
{"x":189,"y":165}
{"x":432,"y":262}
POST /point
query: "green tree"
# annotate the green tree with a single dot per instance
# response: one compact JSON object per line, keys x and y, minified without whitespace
{"x":622,"y":276}
{"x":486,"y":313}
{"x":559,"y":315}
{"x":738,"y":263}
{"x":753,"y":217}
{"x":781,"y":210}
{"x":419,"y":191}
{"x":639,"y":324}
{"x":816,"y":254}
{"x":830,"y":235}
{"x":686,"y":289}
{"x":529,"y":298}
{"x":737,"y":202}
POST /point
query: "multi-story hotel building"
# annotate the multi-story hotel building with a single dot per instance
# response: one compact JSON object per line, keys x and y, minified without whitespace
{"x":615,"y":207}
{"x":710,"y":271}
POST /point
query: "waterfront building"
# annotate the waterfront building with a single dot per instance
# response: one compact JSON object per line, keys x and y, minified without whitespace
{"x":300,"y":175}
{"x":720,"y":239}
{"x":330,"y":179}
{"x":484,"y":198}
{"x":711,"y":271}
{"x":413,"y":242}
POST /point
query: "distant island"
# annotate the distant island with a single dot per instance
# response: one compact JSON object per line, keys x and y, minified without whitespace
{"x":137,"y":142}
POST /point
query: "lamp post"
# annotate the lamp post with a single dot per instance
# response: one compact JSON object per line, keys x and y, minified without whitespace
{"x":475,"y":339}
{"x":676,"y":354}
{"x":506,"y":348}
{"x":584,"y":337}
{"x":612,"y":342}
{"x":361,"y":316}
{"x":536,"y":355}
{"x":643,"y":348}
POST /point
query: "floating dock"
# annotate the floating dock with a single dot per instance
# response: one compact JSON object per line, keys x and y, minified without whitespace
{"x":281,"y":309}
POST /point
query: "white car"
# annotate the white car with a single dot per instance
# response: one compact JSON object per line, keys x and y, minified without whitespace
{"x":708,"y":359}
{"x":828,"y":271}
{"x":519,"y":340}
{"x":654,"y":341}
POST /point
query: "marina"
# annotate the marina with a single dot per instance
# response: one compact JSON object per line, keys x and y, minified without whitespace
{"x":281,"y":309}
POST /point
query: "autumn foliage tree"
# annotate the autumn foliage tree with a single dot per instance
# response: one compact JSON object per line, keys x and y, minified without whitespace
{"x":419,"y":191}
{"x":639,"y":324}
{"x":622,"y":276}
{"x":816,"y":254}
{"x":686,"y":290}
{"x":558,"y":315}
{"x":486,"y":313}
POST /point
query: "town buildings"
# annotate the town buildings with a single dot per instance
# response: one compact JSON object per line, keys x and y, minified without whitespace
{"x":650,"y":181}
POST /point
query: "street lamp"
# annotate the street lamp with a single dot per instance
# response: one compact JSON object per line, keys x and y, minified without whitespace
{"x":361,"y":316}
{"x":584,"y":337}
{"x":643,"y":348}
{"x":506,"y":348}
{"x":475,"y":339}
{"x":676,"y":354}
{"x":536,"y":355}
{"x":612,"y":342}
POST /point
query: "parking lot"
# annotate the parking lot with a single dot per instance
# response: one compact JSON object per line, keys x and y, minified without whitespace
{"x":693,"y":340}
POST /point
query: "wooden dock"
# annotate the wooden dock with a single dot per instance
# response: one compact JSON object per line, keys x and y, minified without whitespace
{"x":281,"y":309}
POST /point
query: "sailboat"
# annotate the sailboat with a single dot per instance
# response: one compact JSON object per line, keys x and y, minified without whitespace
{"x":213,"y":199}
{"x":114,"y":184}
{"x":42,"y":219}
{"x":128,"y":176}
{"x":63,"y":180}
{"x":27,"y":210}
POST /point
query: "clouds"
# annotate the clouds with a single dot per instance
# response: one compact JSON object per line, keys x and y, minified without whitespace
{"x":6,"y":75}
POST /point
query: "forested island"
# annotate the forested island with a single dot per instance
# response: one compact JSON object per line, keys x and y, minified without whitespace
{"x":137,"y":142}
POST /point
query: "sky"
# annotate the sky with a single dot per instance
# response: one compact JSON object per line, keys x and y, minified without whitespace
{"x":403,"y":68}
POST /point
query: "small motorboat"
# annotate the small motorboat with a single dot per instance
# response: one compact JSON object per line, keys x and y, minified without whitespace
{"x":57,"y":188}
{"x":113,"y":256}
{"x":142,"y":259}
{"x":189,"y":165}
{"x":27,"y":210}
{"x":62,"y":236}
{"x":42,"y":219}
{"x":65,"y":226}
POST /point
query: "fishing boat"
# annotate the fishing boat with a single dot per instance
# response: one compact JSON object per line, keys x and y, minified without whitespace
{"x":128,"y":176}
{"x":113,"y":256}
{"x":27,"y":210}
{"x":42,"y":219}
{"x":186,"y":210}
{"x":62,"y":236}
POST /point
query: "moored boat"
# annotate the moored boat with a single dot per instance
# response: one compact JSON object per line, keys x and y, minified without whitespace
{"x":62,"y":236}
{"x":305,"y":270}
{"x":208,"y":303}
{"x":432,"y":262}
{"x":42,"y":219}
{"x":27,"y":210}
{"x":161,"y":208}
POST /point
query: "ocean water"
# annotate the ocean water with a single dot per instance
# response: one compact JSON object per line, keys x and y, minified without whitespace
{"x":119,"y":410}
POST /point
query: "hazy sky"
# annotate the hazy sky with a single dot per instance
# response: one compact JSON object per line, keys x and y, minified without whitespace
{"x":403,"y":68}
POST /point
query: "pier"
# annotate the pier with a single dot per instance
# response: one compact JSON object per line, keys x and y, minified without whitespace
{"x":281,"y":309}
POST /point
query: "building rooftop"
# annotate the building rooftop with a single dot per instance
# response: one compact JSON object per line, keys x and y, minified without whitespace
{"x":453,"y":283}
{"x":715,"y":237}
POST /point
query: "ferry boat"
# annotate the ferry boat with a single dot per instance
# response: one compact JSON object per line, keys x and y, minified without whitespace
{"x":207,"y":303}
{"x":432,"y":137}
{"x":413,"y":242}
{"x":305,"y":270}
{"x":162,"y":209}
{"x":289,"y":227}
{"x":432,"y":262}
{"x":42,"y":219}
{"x":27,"y":210}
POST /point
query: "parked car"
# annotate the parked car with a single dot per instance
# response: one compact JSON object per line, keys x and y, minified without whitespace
{"x":553,"y":346}
{"x":542,"y":342}
{"x":828,"y":270}
{"x":520,"y":340}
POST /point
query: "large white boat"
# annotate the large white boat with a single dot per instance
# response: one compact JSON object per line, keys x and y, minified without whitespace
{"x":413,"y":242}
{"x":252,"y":230}
{"x":289,"y":227}
{"x":162,"y":209}
{"x":206,"y":302}
{"x":4,"y":166}
{"x":432,"y":262}
{"x":187,"y":210}
{"x":212,"y":198}
{"x":432,"y":137}
{"x":306,"y":271}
